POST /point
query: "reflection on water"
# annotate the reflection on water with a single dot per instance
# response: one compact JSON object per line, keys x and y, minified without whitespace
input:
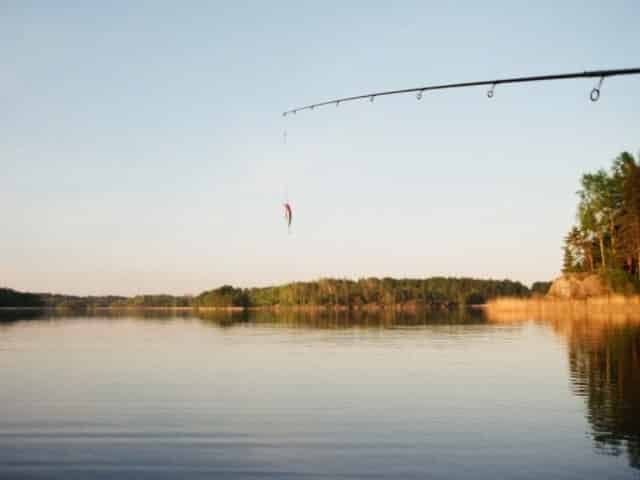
{"x":316,"y":318}
{"x":309,"y":394}
{"x":604,"y":362}
{"x":327,"y":319}
{"x":607,"y":371}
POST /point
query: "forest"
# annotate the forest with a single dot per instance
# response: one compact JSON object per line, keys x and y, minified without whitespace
{"x":606,"y":236}
{"x":366,"y":291}
{"x":441,"y":291}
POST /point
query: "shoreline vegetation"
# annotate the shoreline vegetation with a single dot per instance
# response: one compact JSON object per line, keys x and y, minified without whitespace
{"x":368,"y":294}
{"x":542,"y":306}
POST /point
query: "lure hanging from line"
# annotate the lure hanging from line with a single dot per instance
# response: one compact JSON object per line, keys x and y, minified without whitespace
{"x":288,"y":214}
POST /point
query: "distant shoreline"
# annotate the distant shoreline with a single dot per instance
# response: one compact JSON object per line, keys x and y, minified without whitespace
{"x":369,"y":294}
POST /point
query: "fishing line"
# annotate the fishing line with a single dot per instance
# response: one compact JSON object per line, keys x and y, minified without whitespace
{"x":286,"y":205}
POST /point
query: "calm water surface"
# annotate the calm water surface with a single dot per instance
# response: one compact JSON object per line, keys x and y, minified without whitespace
{"x":299,"y":396}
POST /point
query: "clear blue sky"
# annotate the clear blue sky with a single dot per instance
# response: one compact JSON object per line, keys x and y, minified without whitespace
{"x":141,"y":147}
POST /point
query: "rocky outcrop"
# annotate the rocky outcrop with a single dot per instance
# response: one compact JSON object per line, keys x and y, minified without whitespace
{"x":577,"y":286}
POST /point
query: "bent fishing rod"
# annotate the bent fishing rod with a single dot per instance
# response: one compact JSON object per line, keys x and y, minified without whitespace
{"x":419,"y":91}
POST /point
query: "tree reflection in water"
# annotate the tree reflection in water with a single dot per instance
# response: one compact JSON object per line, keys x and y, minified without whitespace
{"x":604,"y":361}
{"x":606,"y":371}
{"x":341,"y":319}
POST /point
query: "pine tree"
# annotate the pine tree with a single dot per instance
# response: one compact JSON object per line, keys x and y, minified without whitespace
{"x":568,"y":264}
{"x":630,"y":218}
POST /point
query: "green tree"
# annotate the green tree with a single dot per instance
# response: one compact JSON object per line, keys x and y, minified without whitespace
{"x":580,"y":249}
{"x":607,"y":235}
{"x":598,"y":208}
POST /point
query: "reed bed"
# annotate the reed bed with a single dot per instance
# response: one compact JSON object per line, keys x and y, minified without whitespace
{"x":619,"y":307}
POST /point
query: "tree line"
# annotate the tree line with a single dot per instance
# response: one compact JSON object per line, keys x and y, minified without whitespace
{"x":367,"y":291}
{"x":606,"y":236}
{"x":324,"y":292}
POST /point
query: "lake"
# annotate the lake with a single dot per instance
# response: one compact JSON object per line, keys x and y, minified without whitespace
{"x":297,"y":395}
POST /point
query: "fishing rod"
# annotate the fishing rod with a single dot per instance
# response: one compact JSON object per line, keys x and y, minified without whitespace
{"x":419,"y":91}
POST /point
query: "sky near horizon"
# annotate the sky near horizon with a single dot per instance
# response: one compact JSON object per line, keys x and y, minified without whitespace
{"x":142,"y":147}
